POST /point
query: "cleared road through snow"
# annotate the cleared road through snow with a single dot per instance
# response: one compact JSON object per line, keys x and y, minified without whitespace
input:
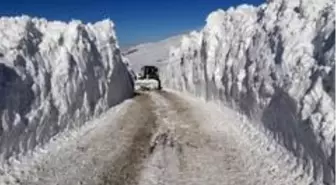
{"x":160,"y":138}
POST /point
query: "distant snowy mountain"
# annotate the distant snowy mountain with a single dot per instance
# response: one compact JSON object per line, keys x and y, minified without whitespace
{"x":276,"y":64}
{"x":55,"y":76}
{"x":155,"y":53}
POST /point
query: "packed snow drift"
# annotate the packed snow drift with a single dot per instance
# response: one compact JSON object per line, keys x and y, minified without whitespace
{"x":274,"y":63}
{"x":55,"y":76}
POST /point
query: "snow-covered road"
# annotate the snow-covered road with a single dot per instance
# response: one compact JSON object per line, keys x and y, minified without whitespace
{"x":159,"y":138}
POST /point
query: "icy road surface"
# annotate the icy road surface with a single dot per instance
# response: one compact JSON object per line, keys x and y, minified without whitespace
{"x":158,"y":138}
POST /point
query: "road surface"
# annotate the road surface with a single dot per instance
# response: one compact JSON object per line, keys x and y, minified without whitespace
{"x":159,"y":138}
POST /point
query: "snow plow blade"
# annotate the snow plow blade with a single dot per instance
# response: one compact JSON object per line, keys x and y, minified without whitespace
{"x":146,"y":85}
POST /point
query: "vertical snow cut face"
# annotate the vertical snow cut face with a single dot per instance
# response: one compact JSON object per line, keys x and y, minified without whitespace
{"x":276,"y":64}
{"x":55,"y":76}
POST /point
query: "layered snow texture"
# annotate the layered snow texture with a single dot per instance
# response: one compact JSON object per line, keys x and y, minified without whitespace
{"x":275,"y":63}
{"x":55,"y":76}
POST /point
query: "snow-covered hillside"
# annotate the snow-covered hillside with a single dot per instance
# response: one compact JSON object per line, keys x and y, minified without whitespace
{"x":274,"y":63}
{"x":55,"y":76}
{"x":155,"y":53}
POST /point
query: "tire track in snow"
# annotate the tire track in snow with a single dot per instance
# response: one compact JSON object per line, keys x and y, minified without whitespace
{"x":126,"y":167}
{"x":184,"y":153}
{"x":162,"y":167}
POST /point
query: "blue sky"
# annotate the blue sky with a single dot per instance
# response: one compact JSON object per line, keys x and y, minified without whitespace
{"x":136,"y":20}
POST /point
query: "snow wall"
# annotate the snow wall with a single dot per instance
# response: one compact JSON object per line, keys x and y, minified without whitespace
{"x":55,"y":76}
{"x":275,"y":64}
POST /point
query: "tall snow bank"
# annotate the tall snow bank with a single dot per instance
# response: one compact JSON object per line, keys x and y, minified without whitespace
{"x":276,"y":64}
{"x":55,"y":76}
